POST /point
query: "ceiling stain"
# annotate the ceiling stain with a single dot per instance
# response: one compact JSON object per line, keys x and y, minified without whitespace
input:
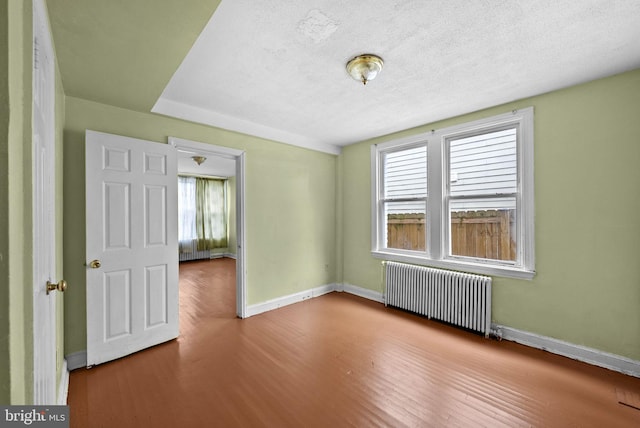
{"x":317,"y":26}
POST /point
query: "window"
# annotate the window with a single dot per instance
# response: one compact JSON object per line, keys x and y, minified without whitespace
{"x":202,"y":213}
{"x":186,"y":210}
{"x":458,"y":198}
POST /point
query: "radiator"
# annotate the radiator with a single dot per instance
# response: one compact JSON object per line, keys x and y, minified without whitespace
{"x":189,"y":251}
{"x":456,"y":298}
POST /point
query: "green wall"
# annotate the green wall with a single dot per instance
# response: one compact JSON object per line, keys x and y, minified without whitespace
{"x":587,"y":151}
{"x":122,"y":52}
{"x":290,"y":206}
{"x":17,"y":259}
{"x":16,"y":301}
{"x":5,"y":374}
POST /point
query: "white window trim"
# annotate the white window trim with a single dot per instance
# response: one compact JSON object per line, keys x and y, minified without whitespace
{"x":436,"y":160}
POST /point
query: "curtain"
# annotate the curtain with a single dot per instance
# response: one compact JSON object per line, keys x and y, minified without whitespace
{"x":211,"y":218}
{"x":201,"y":213}
{"x":186,"y":213}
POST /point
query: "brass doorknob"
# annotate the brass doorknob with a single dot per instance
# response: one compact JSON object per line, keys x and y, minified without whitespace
{"x":94,"y":264}
{"x":60,"y":286}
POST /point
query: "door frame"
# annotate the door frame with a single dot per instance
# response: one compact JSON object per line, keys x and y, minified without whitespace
{"x":241,"y":256}
{"x":46,"y":385}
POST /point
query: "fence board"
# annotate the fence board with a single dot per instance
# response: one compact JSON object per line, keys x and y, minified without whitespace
{"x":484,"y":234}
{"x":406,"y":231}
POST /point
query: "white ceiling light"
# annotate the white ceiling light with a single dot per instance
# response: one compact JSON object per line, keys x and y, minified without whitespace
{"x":365,"y":67}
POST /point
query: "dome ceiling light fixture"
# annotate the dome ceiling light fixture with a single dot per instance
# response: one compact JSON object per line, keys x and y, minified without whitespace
{"x":365,"y":67}
{"x":198,"y":159}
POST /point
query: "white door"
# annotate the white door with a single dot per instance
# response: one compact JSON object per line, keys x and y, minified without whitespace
{"x":43,"y":221}
{"x":132,"y":245}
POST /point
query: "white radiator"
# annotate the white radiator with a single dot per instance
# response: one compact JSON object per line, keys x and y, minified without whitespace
{"x":189,"y":251}
{"x":457,"y":298}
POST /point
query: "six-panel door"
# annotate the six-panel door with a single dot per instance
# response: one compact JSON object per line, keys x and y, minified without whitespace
{"x":131,"y":218}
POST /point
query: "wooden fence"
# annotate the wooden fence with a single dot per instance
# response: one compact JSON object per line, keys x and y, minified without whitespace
{"x":483,"y":234}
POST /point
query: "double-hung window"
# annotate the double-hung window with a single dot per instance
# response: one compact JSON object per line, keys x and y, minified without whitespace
{"x":458,"y":198}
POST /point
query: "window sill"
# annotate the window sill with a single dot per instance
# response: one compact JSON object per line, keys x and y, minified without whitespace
{"x":502,"y":271}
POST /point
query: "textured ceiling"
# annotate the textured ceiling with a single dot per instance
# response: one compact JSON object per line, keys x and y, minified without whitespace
{"x":276,"y":69}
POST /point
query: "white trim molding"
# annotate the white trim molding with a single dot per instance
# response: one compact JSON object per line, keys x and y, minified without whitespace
{"x":366,"y":293}
{"x":195,"y":114}
{"x":279,"y":302}
{"x":63,"y":384}
{"x":241,"y":255}
{"x":77,"y":360}
{"x":435,"y":149}
{"x":222,"y":256}
{"x":570,"y":350}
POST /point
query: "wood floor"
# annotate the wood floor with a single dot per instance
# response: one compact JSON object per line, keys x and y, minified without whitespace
{"x":337,"y":361}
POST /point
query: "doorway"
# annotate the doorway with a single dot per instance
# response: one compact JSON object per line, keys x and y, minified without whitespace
{"x":221,"y":162}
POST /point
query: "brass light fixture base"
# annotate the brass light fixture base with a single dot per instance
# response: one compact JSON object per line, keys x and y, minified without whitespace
{"x":198,"y":159}
{"x":365,"y":67}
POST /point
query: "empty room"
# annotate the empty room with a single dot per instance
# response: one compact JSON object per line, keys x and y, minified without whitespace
{"x":398,"y":213}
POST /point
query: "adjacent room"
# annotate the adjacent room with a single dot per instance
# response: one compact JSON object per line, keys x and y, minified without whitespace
{"x":240,"y":213}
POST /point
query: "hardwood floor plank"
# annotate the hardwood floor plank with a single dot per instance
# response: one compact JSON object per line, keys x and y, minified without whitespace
{"x":334,"y":361}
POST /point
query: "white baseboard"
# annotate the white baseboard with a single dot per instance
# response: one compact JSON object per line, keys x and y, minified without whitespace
{"x":76,"y":360}
{"x":222,"y":256}
{"x":549,"y":344}
{"x":63,"y":384}
{"x":570,"y":350}
{"x":279,"y":302}
{"x":376,"y":296}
